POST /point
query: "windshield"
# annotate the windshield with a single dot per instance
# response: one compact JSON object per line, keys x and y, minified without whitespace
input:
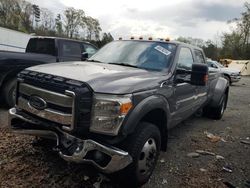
{"x":218,"y":64}
{"x":140,"y":54}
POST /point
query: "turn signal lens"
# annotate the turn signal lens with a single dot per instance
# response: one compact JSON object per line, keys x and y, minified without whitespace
{"x":125,"y":107}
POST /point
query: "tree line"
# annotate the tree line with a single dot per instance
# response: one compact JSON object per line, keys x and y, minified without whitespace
{"x":232,"y":45}
{"x":73,"y":23}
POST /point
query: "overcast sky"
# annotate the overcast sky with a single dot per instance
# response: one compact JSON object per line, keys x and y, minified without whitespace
{"x":160,"y":18}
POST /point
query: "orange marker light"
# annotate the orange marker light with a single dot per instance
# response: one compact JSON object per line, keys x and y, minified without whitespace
{"x":167,"y":39}
{"x":125,"y":108}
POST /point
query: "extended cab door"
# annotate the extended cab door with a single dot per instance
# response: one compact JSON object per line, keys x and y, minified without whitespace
{"x":70,"y":50}
{"x":185,"y":93}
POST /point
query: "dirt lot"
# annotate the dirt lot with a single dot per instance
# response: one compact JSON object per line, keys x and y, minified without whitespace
{"x":23,"y":165}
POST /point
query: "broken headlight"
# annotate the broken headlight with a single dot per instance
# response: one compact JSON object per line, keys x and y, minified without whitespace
{"x":108,"y":113}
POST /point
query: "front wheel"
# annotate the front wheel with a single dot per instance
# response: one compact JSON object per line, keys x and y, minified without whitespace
{"x":144,"y":147}
{"x":9,"y":92}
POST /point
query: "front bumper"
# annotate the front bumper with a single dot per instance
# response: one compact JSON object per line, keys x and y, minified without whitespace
{"x":235,"y":78}
{"x":107,"y":159}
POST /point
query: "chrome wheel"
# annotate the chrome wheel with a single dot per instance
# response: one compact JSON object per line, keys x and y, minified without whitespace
{"x":148,"y":157}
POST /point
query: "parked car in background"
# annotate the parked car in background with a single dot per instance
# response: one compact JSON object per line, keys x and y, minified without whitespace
{"x":232,"y":75}
{"x":40,"y":50}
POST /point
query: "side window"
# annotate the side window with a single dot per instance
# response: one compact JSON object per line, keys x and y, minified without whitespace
{"x":71,"y":49}
{"x":185,"y":59}
{"x":199,"y":56}
{"x":91,"y":50}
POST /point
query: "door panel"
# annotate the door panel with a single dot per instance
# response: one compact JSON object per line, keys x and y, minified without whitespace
{"x":185,"y":96}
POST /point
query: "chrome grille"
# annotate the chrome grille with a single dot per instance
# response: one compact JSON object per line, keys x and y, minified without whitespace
{"x":57,"y":104}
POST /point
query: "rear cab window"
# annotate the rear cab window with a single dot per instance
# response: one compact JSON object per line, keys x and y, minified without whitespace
{"x":41,"y":46}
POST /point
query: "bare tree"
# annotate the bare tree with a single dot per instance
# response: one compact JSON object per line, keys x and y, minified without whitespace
{"x":73,"y":21}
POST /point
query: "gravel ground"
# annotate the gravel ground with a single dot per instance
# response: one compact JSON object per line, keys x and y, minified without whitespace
{"x":24,"y":165}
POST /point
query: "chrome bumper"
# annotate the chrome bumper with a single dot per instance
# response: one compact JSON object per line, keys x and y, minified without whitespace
{"x":119,"y":159}
{"x":235,"y":78}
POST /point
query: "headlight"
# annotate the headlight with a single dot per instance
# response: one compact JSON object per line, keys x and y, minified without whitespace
{"x":234,"y":74}
{"x":108,"y":113}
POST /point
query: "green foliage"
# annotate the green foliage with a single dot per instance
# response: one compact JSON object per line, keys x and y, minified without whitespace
{"x":236,"y":45}
{"x":26,"y":17}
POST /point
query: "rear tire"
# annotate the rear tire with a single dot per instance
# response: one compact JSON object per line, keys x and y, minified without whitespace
{"x":144,"y":147}
{"x":9,"y":93}
{"x":216,"y":112}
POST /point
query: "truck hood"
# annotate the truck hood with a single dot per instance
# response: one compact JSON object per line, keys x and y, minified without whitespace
{"x":230,"y":70}
{"x":105,"y":78}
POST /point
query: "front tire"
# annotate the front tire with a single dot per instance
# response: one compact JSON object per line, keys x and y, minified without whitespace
{"x":144,"y":147}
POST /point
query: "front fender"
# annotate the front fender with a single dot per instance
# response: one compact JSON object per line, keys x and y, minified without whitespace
{"x":144,"y":107}
{"x":221,"y":87}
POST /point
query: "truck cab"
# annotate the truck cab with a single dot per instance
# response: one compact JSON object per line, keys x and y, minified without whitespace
{"x":115,"y":109}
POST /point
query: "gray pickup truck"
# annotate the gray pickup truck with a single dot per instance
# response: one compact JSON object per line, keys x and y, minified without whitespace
{"x":115,"y":109}
{"x":39,"y":50}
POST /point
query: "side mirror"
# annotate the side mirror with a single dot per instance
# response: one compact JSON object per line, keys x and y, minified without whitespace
{"x":85,"y":56}
{"x":199,"y":74}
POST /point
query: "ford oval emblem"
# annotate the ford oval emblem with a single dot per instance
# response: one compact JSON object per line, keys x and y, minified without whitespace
{"x":37,"y":102}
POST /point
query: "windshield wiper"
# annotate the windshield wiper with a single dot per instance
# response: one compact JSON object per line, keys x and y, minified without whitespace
{"x":125,"y":64}
{"x":93,"y":60}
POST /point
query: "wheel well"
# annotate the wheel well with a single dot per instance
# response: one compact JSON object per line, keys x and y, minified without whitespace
{"x":9,"y":76}
{"x":158,"y":117}
{"x":227,"y":76}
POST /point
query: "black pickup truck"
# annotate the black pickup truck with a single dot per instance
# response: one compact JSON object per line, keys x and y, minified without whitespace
{"x":115,"y":109}
{"x":40,"y":50}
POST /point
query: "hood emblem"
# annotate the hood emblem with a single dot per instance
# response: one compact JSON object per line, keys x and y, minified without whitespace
{"x":37,"y":102}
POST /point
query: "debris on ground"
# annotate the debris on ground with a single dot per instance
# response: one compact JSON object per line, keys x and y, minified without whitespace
{"x":193,"y":154}
{"x":219,"y":157}
{"x":245,"y":142}
{"x":213,"y":138}
{"x":229,"y":185}
{"x":227,"y":169}
{"x":203,"y":170}
{"x":162,"y":161}
{"x":247,"y":183}
{"x":164,"y":181}
{"x":202,"y":152}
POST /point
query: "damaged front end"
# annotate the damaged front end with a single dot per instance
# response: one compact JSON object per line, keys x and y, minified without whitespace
{"x":107,"y":159}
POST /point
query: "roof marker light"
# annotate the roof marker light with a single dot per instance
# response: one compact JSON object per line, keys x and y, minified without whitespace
{"x":150,"y":38}
{"x":167,"y":39}
{"x":140,"y":38}
{"x":132,"y":38}
{"x":120,"y":38}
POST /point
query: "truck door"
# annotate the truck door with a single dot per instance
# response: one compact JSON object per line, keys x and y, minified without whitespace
{"x":70,"y":51}
{"x":185,"y":94}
